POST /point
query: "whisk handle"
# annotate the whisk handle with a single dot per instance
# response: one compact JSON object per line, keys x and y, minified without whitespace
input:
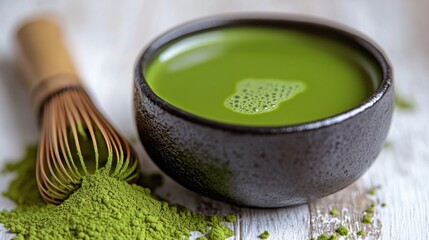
{"x":45,"y":60}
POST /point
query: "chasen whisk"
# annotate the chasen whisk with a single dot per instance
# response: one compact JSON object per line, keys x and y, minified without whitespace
{"x":76,"y":140}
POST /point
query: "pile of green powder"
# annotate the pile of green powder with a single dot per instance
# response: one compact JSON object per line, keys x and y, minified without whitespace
{"x":102,"y":208}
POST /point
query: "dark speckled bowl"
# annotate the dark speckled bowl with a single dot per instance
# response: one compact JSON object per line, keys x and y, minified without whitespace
{"x":262,"y":166}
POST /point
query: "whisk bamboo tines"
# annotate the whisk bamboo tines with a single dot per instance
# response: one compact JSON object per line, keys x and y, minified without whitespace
{"x":76,"y":139}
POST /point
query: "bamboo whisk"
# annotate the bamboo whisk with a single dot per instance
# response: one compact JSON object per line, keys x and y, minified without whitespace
{"x":75,"y":138}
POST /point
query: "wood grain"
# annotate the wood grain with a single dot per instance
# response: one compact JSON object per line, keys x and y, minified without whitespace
{"x":106,"y":39}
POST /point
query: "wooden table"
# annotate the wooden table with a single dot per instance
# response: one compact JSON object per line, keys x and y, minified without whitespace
{"x":107,"y":36}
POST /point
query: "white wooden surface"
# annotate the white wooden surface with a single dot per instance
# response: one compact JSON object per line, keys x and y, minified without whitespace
{"x":107,"y":36}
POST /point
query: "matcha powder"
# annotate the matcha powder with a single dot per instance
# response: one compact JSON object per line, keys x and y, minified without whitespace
{"x":102,"y":208}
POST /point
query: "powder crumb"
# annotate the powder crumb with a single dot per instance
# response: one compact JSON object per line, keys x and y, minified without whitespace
{"x":220,"y":232}
{"x":388,"y":145}
{"x":373,"y":190}
{"x":403,"y":103}
{"x":367,"y":219}
{"x":384,"y":205}
{"x":264,"y":235}
{"x":342,"y":230}
{"x":323,"y":237}
{"x":231,"y":218}
{"x":102,"y":208}
{"x":361,"y":233}
{"x":371,"y":209}
{"x":333,"y":237}
{"x":334,"y":212}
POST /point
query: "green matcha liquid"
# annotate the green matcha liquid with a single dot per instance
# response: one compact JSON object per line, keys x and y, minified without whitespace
{"x":258,"y":76}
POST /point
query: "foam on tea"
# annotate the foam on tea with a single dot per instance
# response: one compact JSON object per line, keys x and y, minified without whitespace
{"x":256,"y":96}
{"x":263,"y":76}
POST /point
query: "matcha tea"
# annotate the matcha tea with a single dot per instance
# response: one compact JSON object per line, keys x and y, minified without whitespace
{"x":263,"y":76}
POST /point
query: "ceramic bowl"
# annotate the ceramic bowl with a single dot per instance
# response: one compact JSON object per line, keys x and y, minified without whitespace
{"x":263,"y":166}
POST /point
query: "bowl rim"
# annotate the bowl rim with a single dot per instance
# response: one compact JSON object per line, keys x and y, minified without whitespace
{"x":285,"y":20}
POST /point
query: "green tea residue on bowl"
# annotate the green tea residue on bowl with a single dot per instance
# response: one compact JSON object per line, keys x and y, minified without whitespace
{"x":102,"y":208}
{"x":256,"y":96}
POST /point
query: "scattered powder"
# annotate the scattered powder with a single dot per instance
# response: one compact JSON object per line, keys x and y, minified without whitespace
{"x":323,"y":237}
{"x":367,"y":219}
{"x":402,"y":103}
{"x":102,"y":208}
{"x":342,"y":230}
{"x":231,"y":218}
{"x":373,"y":190}
{"x":388,"y":145}
{"x":361,"y":233}
{"x":334,"y":212}
{"x":333,"y":237}
{"x":371,"y":209}
{"x":218,"y":230}
{"x":264,"y":235}
{"x":23,"y":189}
